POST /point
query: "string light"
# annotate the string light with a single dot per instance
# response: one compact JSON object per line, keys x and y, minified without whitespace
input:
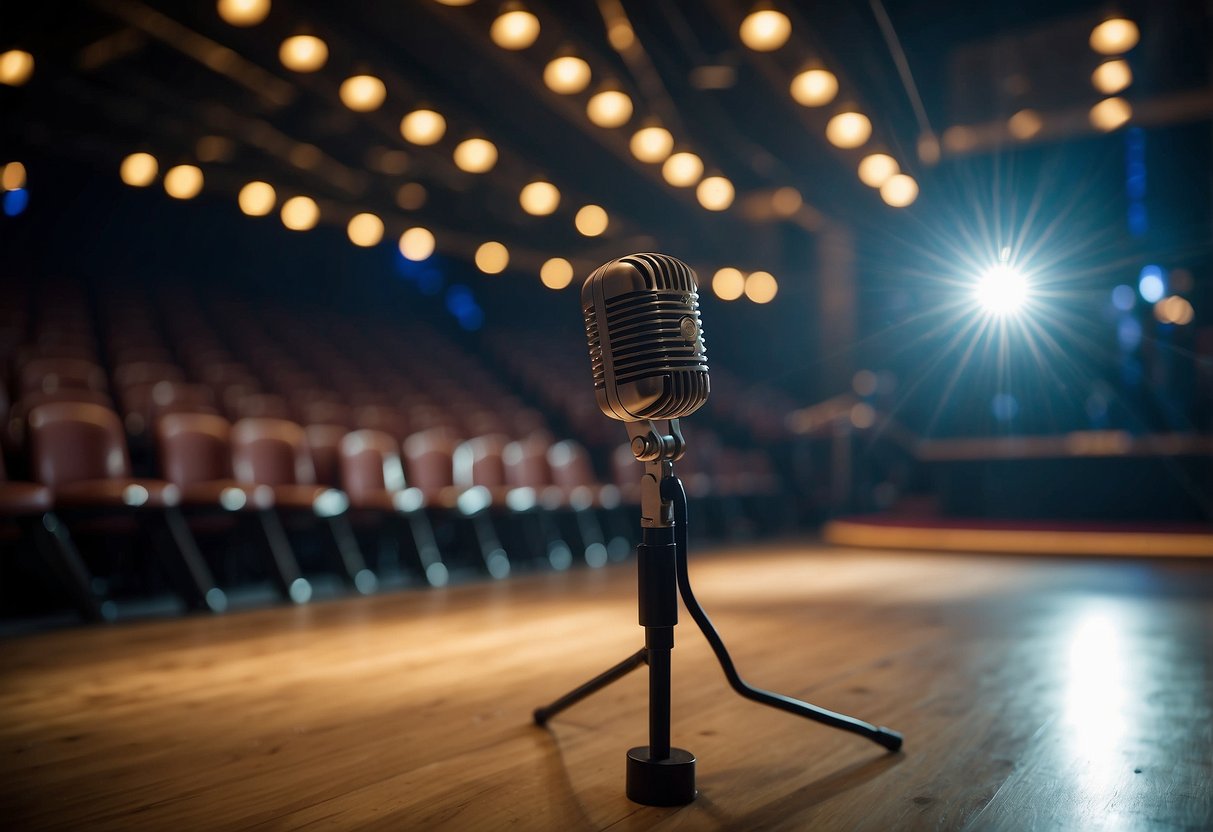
{"x":362,"y":93}
{"x":899,"y":191}
{"x":556,"y":273}
{"x":365,"y":230}
{"x":609,"y":108}
{"x":16,"y":67}
{"x":682,"y":170}
{"x":567,"y":75}
{"x":591,"y":220}
{"x":539,"y":198}
{"x":257,"y":199}
{"x":300,"y":213}
{"x":1025,"y":124}
{"x":303,"y":53}
{"x":1174,"y":310}
{"x":877,"y":168}
{"x":765,"y":30}
{"x":243,"y":12}
{"x":515,"y":29}
{"x":423,"y":127}
{"x":786,"y":201}
{"x":848,"y":130}
{"x":12,"y":176}
{"x":761,"y":287}
{"x":715,"y":193}
{"x":475,"y":155}
{"x":183,"y":181}
{"x":417,"y":243}
{"x":621,"y":36}
{"x":1115,"y":36}
{"x":411,"y":196}
{"x":651,"y":144}
{"x":492,"y":258}
{"x":728,"y":283}
{"x":814,"y":87}
{"x":1110,"y":113}
{"x":139,"y":170}
{"x":1112,"y":76}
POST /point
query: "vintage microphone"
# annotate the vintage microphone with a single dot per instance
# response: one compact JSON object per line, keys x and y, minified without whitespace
{"x":650,"y":363}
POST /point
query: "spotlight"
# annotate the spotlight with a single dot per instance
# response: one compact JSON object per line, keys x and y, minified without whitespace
{"x":514,"y":29}
{"x":567,"y":75}
{"x":303,"y":53}
{"x":1002,"y":290}
{"x":765,"y":30}
{"x":362,"y":93}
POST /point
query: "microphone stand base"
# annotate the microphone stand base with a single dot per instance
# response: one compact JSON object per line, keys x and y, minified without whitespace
{"x":666,"y":782}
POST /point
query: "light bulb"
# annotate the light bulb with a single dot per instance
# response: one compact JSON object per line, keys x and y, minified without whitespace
{"x":651,"y":144}
{"x":814,"y":87}
{"x":567,"y":75}
{"x":362,"y":93}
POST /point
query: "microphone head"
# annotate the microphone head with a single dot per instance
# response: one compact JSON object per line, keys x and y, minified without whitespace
{"x":646,"y":342}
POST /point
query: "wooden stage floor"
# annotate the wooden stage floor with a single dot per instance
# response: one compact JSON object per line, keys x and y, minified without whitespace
{"x":1033,"y":694}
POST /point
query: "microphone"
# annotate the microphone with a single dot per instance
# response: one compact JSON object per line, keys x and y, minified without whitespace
{"x":646,"y":342}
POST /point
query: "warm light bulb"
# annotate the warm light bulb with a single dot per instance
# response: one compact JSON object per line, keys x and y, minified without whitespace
{"x":761,"y":287}
{"x":244,"y":12}
{"x":257,"y":199}
{"x":417,"y":243}
{"x":876,"y":169}
{"x":786,"y":201}
{"x":139,"y":170}
{"x":492,"y":258}
{"x":1110,"y":113}
{"x":765,"y":30}
{"x":539,"y":198}
{"x":455,"y":2}
{"x":362,"y":93}
{"x":848,"y":130}
{"x":567,"y":75}
{"x":365,"y":230}
{"x":515,"y":29}
{"x":1112,"y":76}
{"x":591,"y":220}
{"x":12,"y":176}
{"x":556,"y":273}
{"x":609,"y":108}
{"x":682,"y":170}
{"x":715,"y":193}
{"x":16,"y":67}
{"x":300,"y":213}
{"x":1115,"y":36}
{"x":423,"y":127}
{"x":814,"y":87}
{"x":899,"y":191}
{"x":621,"y":36}
{"x":476,"y":155}
{"x":303,"y":53}
{"x":1025,"y":124}
{"x":728,"y":283}
{"x":651,"y":144}
{"x":183,"y":181}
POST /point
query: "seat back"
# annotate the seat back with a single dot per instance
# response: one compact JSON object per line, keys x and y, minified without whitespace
{"x":74,"y":441}
{"x":194,"y":447}
{"x":146,"y":372}
{"x":570,"y":465}
{"x":271,"y":452}
{"x":526,"y":462}
{"x":428,"y":459}
{"x":50,"y":375}
{"x":370,"y":462}
{"x":479,"y":462}
{"x":323,"y":442}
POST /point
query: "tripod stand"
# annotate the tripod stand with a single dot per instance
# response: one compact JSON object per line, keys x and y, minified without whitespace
{"x":658,"y":774}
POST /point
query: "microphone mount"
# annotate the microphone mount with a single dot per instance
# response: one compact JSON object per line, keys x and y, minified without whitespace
{"x":658,"y":450}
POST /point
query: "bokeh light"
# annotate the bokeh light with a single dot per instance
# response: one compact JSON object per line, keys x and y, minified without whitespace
{"x":765,"y":30}
{"x":300,"y":213}
{"x":877,"y":169}
{"x":1112,"y":76}
{"x":814,"y":87}
{"x":652,"y":144}
{"x":303,"y":53}
{"x":515,"y":29}
{"x":539,"y":198}
{"x":556,"y":273}
{"x":715,"y":193}
{"x":567,"y":75}
{"x":682,"y":170}
{"x":362,"y":93}
{"x":475,"y":155}
{"x":243,"y":12}
{"x":12,"y":176}
{"x":365,"y":230}
{"x":899,"y":191}
{"x":139,"y":170}
{"x":591,"y":220}
{"x":1114,"y":36}
{"x":417,"y":243}
{"x":1002,"y":290}
{"x":492,"y":258}
{"x":423,"y":127}
{"x":609,"y":108}
{"x":1110,"y":113}
{"x":761,"y":287}
{"x":849,"y":130}
{"x":16,"y":67}
{"x":183,"y":181}
{"x":257,"y":199}
{"x":728,"y":283}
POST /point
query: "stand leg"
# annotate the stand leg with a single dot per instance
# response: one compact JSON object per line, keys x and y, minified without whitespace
{"x":542,"y":715}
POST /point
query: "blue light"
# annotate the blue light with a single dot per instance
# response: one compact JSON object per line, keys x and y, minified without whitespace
{"x":1139,"y":221}
{"x":459,"y":300}
{"x":1128,"y":333}
{"x":15,"y":202}
{"x":472,"y":319}
{"x":429,"y":281}
{"x":1123,"y":297}
{"x":1004,"y":406}
{"x":1151,"y":284}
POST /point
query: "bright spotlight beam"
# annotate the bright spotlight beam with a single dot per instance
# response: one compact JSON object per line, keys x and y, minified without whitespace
{"x":1001,"y":290}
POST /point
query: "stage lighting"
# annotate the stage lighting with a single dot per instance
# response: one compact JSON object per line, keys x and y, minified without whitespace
{"x":244,"y":12}
{"x":1150,"y":284}
{"x":609,"y":108}
{"x":362,"y":93}
{"x":814,"y":87}
{"x":300,"y":213}
{"x":1025,"y":124}
{"x":652,"y":144}
{"x":765,"y":30}
{"x":899,"y":191}
{"x":786,"y":201}
{"x":556,"y":273}
{"x":492,"y":258}
{"x":877,"y":169}
{"x":365,"y":230}
{"x":423,"y":127}
{"x":539,"y":198}
{"x":303,"y":53}
{"x":183,"y":181}
{"x":728,"y":283}
{"x":12,"y":176}
{"x":848,"y":130}
{"x":411,"y":196}
{"x":1002,"y":290}
{"x":1112,"y":76}
{"x":475,"y":155}
{"x":1110,"y":113}
{"x":591,"y":220}
{"x":138,"y":170}
{"x":515,"y":29}
{"x":682,"y":170}
{"x":567,"y":75}
{"x":760,"y":287}
{"x":417,"y":243}
{"x":715,"y":193}
{"x":16,"y":67}
{"x":257,"y":199}
{"x":1114,"y":36}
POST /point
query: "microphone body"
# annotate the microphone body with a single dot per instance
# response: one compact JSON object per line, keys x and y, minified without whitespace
{"x":646,"y":342}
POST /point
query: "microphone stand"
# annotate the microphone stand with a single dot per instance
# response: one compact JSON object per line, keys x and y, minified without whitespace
{"x":658,"y":774}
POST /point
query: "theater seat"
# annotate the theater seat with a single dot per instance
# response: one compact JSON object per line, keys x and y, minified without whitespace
{"x":274,"y":453}
{"x":79,"y":451}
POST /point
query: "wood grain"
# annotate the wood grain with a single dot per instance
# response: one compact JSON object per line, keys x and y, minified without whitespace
{"x":1033,"y":695}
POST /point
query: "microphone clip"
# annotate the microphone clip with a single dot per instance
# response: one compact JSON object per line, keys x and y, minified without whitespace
{"x":658,"y":450}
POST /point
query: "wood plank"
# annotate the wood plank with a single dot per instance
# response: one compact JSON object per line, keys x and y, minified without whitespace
{"x":1030,"y":693}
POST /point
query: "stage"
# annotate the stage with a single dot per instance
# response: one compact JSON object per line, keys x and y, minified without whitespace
{"x":1033,"y":694}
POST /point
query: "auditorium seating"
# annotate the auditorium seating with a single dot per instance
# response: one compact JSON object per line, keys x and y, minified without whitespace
{"x":218,"y":418}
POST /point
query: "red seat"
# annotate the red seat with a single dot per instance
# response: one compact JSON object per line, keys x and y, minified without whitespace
{"x":273,"y":452}
{"x":50,"y":375}
{"x":195,"y":455}
{"x":571,"y":470}
{"x":323,"y":443}
{"x":146,"y":372}
{"x":428,"y":460}
{"x":22,"y":499}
